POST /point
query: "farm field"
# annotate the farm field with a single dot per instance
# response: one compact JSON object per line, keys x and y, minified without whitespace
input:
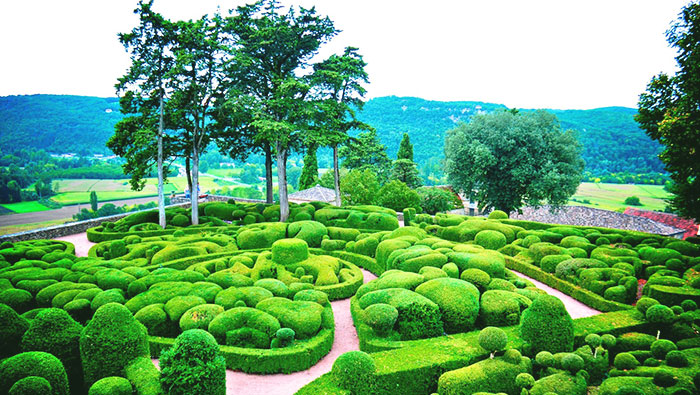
{"x":10,"y":229}
{"x":25,"y":207}
{"x":612,"y":196}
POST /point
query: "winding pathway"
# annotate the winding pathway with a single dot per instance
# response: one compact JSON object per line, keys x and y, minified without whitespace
{"x":345,"y":339}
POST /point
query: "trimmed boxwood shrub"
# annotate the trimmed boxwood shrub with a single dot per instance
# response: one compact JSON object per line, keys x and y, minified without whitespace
{"x":178,"y":305}
{"x":34,"y":363}
{"x":355,"y":371}
{"x":110,"y":296}
{"x":193,"y":365}
{"x":240,"y":317}
{"x":111,"y":386}
{"x":144,"y":376}
{"x":110,"y":341}
{"x":79,"y":310}
{"x":676,"y":359}
{"x":303,"y":317}
{"x":490,"y":375}
{"x":32,"y":385}
{"x":560,"y":383}
{"x":547,"y":326}
{"x":625,"y":361}
{"x":154,"y":318}
{"x":661,"y":347}
{"x":199,"y":317}
{"x":381,"y":317}
{"x":12,"y":328}
{"x":19,"y":299}
{"x":419,"y":317}
{"x":490,"y":239}
{"x":499,"y":308}
{"x":493,"y":339}
{"x":55,"y":332}
{"x":458,"y":301}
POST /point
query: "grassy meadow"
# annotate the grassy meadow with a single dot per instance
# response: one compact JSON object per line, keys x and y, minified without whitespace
{"x":612,"y":196}
{"x":10,"y":229}
{"x":25,"y":207}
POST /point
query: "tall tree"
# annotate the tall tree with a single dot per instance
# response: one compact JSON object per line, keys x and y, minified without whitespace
{"x":504,"y":160}
{"x":197,"y":75}
{"x":405,"y":170}
{"x":405,"y":148}
{"x":669,"y":112}
{"x":143,"y":91}
{"x":366,"y":152}
{"x":338,"y":84}
{"x":309,"y":174}
{"x":273,"y":50}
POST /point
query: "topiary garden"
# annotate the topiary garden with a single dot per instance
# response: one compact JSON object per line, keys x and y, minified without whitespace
{"x":448,"y":312}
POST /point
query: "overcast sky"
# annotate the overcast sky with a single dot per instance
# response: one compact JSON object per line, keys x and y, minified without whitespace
{"x":521,"y":53}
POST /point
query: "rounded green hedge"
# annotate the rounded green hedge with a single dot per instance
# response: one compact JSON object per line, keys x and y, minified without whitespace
{"x":547,"y":326}
{"x":34,"y":363}
{"x":111,"y":386}
{"x":355,"y":372}
{"x":193,"y":365}
{"x":12,"y":328}
{"x":31,"y":385}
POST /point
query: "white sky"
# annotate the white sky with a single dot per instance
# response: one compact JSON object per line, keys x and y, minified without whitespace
{"x":522,"y":53}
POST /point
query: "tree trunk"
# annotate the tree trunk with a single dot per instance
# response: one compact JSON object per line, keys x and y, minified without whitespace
{"x":269,"y":197}
{"x":161,"y":196}
{"x":194,"y":190}
{"x":282,"y":182}
{"x":336,"y":175}
{"x":188,"y":172}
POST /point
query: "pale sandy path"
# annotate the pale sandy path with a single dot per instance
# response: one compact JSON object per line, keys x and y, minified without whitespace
{"x":345,"y":339}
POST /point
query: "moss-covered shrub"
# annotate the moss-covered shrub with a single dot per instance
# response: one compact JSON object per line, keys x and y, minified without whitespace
{"x":676,"y":359}
{"x":12,"y":328}
{"x":625,"y":361}
{"x":193,"y":365}
{"x":199,"y":317}
{"x":547,"y":326}
{"x":499,"y":308}
{"x":478,"y":277}
{"x":381,"y":317}
{"x":661,"y":347}
{"x":34,"y":363}
{"x":490,"y":239}
{"x":110,"y":341}
{"x":493,"y":339}
{"x":111,"y":386}
{"x":355,"y":372}
{"x":498,"y":214}
{"x":458,"y":301}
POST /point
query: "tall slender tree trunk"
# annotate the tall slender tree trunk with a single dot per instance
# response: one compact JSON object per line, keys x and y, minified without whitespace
{"x":188,"y":172}
{"x":194,"y":190}
{"x":282,"y":182}
{"x":336,"y":175}
{"x":161,"y":196}
{"x":269,"y":197}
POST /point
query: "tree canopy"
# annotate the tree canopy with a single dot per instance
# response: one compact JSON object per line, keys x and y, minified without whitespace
{"x":669,"y":112}
{"x":366,"y":152}
{"x":505,"y":160}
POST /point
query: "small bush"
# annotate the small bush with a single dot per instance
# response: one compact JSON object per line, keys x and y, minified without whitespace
{"x":492,"y":339}
{"x":661,"y":347}
{"x":193,"y":365}
{"x":31,"y":385}
{"x":664,"y":378}
{"x":498,"y":214}
{"x":381,"y":317}
{"x":676,"y":359}
{"x":12,"y":327}
{"x":355,"y":372}
{"x":572,"y":363}
{"x":625,"y":361}
{"x":111,"y":386}
{"x":632,"y":201}
{"x":34,"y":363}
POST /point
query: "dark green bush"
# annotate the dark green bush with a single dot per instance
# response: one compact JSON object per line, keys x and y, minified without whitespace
{"x":644,"y":303}
{"x":355,"y":372}
{"x":572,"y":363}
{"x":199,"y":317}
{"x":676,"y":359}
{"x":661,"y":347}
{"x":19,"y":299}
{"x":193,"y":365}
{"x":284,"y":337}
{"x":247,"y":338}
{"x":664,"y":378}
{"x":458,"y":301}
{"x":547,"y":326}
{"x":34,"y":363}
{"x":110,"y":341}
{"x":55,"y":332}
{"x":12,"y":327}
{"x":31,"y":385}
{"x":625,"y":361}
{"x":111,"y":386}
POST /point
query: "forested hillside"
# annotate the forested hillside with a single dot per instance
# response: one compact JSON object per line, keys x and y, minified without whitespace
{"x":612,"y":141}
{"x":57,"y":123}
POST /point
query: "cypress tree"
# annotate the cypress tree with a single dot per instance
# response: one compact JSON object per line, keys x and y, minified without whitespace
{"x":405,"y":148}
{"x":309,"y":174}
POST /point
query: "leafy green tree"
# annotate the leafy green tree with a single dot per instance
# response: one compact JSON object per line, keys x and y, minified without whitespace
{"x":397,"y":195}
{"x":405,"y":148}
{"x":405,"y":170}
{"x":669,"y":112}
{"x":143,"y":91}
{"x":274,"y":49}
{"x":337,"y":84}
{"x":435,"y":200}
{"x":505,"y":160}
{"x":366,"y":152}
{"x":249,"y":175}
{"x":309,"y":174}
{"x":93,"y":201}
{"x":359,"y":187}
{"x":293,"y":176}
{"x":15,"y":195}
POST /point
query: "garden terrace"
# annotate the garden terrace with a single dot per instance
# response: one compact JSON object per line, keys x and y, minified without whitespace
{"x":261,"y":292}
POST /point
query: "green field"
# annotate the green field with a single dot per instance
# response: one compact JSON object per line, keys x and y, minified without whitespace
{"x":78,"y":191}
{"x":10,"y":229}
{"x":25,"y":207}
{"x":226,"y":172}
{"x":612,"y":196}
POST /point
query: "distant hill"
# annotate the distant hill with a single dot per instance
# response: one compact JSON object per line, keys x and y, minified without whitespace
{"x":612,"y":141}
{"x":57,"y":123}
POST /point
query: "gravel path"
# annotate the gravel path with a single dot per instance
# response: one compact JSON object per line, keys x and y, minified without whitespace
{"x":345,"y":339}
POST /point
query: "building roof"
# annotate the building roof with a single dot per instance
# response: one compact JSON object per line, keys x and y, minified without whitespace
{"x":588,"y":216}
{"x":314,"y":194}
{"x":690,"y":227}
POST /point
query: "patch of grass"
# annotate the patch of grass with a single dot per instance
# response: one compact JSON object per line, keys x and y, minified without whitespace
{"x":612,"y":196}
{"x":25,"y":207}
{"x":6,"y":230}
{"x":226,"y":172}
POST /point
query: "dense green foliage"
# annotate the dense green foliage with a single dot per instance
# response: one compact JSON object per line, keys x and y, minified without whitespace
{"x":506,"y":160}
{"x":669,"y":113}
{"x":193,"y":365}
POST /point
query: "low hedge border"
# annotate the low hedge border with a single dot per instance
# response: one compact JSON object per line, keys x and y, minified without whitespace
{"x":300,"y":356}
{"x":672,"y":296}
{"x":584,"y":296}
{"x":423,"y":361}
{"x":96,"y":235}
{"x":363,"y":261}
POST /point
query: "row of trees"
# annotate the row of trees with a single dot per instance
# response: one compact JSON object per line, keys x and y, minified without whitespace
{"x":243,"y":81}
